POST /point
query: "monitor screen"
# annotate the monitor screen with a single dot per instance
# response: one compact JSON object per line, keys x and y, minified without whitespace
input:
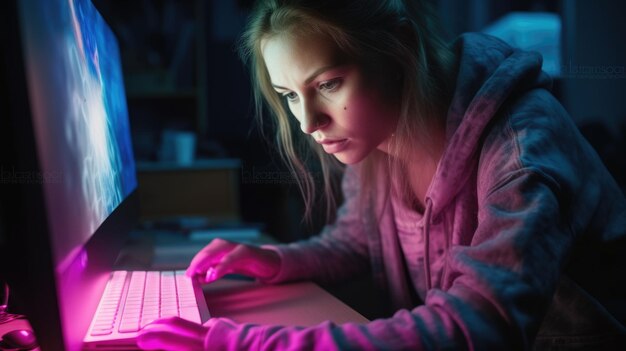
{"x":79,"y":116}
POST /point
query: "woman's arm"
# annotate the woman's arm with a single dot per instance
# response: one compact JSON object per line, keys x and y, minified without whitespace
{"x":339,"y":251}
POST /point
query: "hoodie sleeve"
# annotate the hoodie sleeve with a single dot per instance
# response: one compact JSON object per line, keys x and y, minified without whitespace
{"x":339,"y":251}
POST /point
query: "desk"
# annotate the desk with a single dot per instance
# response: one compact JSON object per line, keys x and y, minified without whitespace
{"x":293,"y":304}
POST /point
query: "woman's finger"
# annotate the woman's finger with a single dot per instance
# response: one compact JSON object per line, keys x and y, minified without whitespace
{"x":172,"y":334}
{"x":209,"y":256}
{"x":164,"y":340}
{"x":234,"y":262}
{"x":248,"y":260}
{"x":177,"y":325}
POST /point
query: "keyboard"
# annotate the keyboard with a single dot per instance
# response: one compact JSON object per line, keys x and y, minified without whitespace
{"x":133,"y":299}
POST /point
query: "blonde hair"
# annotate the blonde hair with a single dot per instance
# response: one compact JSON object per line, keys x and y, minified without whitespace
{"x":401,"y":34}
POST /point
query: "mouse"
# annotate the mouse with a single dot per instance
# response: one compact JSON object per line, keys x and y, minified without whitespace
{"x":22,"y":339}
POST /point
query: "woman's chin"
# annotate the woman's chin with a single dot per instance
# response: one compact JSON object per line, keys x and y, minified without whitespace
{"x":348,"y":158}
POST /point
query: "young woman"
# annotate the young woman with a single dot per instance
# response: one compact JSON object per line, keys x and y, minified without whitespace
{"x":470,"y":196}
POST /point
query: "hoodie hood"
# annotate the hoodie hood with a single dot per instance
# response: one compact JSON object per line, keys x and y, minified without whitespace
{"x":489,"y":72}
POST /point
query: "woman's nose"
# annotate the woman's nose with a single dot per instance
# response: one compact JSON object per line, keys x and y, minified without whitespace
{"x":313,"y":119}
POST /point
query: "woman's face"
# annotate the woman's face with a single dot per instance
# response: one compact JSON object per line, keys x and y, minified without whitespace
{"x":350,"y":111}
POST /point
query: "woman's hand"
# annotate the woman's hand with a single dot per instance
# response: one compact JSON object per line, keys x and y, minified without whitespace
{"x":221,"y":257}
{"x":172,"y":334}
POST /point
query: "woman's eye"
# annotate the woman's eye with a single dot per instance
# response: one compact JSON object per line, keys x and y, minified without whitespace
{"x":330,"y":85}
{"x":291,"y":96}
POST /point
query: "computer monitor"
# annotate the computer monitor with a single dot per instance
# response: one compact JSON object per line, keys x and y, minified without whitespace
{"x":67,"y":174}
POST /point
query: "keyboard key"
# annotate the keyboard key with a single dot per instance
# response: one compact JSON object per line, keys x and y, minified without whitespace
{"x":146,"y":321}
{"x":190,"y":314}
{"x":167,"y":314}
{"x":128,"y":327}
{"x":102,"y":326}
{"x":101,"y":332}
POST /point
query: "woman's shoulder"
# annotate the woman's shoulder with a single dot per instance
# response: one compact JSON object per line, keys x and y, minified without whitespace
{"x":533,"y":119}
{"x":535,"y":133}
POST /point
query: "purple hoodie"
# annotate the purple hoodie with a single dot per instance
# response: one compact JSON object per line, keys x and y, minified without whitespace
{"x":522,"y":242}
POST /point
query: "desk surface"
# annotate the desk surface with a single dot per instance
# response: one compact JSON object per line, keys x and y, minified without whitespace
{"x":293,"y":304}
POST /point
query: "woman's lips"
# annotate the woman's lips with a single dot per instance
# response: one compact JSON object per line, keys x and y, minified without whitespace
{"x":332,"y":146}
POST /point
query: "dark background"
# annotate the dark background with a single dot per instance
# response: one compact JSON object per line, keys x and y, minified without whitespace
{"x":182,"y":72}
